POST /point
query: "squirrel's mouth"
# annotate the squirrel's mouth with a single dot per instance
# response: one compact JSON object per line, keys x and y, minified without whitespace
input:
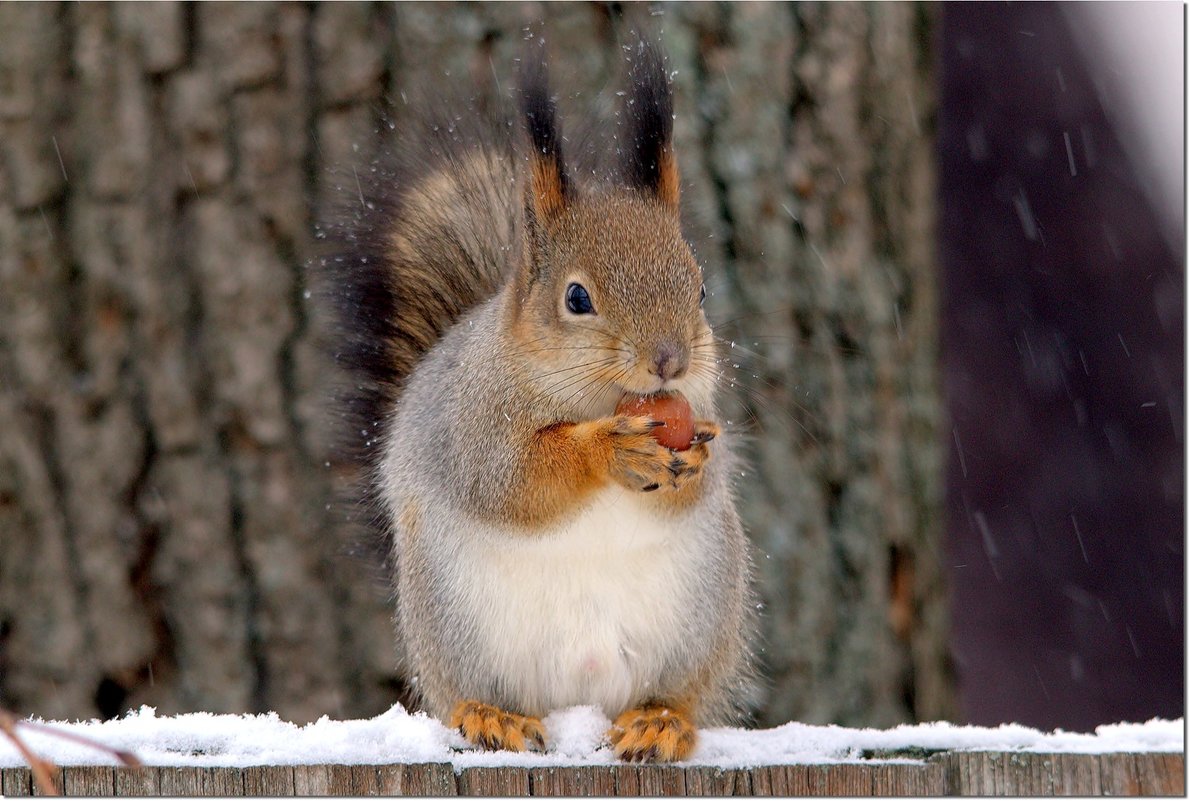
{"x":646,"y":383}
{"x":600,"y":395}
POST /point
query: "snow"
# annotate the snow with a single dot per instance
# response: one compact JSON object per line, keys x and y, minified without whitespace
{"x":575,"y":738}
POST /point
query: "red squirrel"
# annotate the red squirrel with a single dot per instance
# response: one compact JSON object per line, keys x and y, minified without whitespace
{"x":547,"y":551}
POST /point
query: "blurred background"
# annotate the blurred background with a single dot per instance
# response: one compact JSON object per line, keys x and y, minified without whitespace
{"x":945,"y":247}
{"x":1062,"y":248}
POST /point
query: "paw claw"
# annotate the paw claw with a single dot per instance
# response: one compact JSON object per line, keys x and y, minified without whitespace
{"x":704,"y":431}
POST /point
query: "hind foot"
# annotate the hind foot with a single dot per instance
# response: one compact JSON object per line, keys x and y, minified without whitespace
{"x":653,"y":733}
{"x":494,"y":729}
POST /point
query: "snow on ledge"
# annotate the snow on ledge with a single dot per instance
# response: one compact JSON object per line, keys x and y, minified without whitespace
{"x":576,"y":738}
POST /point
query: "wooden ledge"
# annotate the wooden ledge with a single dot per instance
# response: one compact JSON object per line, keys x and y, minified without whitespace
{"x":950,"y":773}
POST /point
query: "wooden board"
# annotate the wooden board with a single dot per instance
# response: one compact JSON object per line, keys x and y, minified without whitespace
{"x":958,"y":773}
{"x":494,"y":781}
{"x":594,"y":781}
{"x":16,"y":781}
{"x":89,"y":780}
{"x":272,"y":780}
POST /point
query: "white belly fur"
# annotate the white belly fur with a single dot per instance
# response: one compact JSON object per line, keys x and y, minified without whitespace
{"x":586,"y":613}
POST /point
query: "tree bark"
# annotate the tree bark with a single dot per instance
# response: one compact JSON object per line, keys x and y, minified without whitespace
{"x":168,"y":531}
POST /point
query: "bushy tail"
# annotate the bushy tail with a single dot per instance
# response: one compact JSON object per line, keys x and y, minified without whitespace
{"x":431,"y":230}
{"x":428,"y":235}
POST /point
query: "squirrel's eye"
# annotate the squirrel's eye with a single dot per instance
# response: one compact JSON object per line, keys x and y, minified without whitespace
{"x":578,"y":301}
{"x":702,"y":294}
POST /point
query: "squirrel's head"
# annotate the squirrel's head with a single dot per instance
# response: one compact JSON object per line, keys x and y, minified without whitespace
{"x":608,"y":294}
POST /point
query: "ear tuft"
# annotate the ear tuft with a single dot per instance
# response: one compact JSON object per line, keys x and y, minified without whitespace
{"x":549,"y":187}
{"x":649,"y":162}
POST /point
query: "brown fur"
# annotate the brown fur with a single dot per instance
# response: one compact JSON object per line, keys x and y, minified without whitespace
{"x":669,"y":184}
{"x":569,"y":461}
{"x":546,"y":190}
{"x":625,"y":248}
{"x":439,"y":274}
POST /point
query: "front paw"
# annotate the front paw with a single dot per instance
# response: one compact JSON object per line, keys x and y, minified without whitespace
{"x":690,"y":462}
{"x":638,"y":461}
{"x":642,"y":464}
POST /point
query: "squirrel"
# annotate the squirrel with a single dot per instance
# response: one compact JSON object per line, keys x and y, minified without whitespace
{"x":546,"y":551}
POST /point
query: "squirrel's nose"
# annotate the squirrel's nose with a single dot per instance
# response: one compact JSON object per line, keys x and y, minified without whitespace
{"x":671,"y":361}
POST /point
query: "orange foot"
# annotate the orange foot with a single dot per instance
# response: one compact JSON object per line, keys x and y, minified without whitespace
{"x":492,"y":728}
{"x":653,"y":733}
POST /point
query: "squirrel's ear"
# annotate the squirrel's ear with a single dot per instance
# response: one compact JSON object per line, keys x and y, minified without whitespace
{"x":649,"y":162}
{"x":549,"y":188}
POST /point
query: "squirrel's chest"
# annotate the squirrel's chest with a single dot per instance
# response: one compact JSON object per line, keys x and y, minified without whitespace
{"x":590,"y":612}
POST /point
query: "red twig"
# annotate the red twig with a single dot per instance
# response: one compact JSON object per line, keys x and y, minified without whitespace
{"x":44,"y":770}
{"x":125,"y":757}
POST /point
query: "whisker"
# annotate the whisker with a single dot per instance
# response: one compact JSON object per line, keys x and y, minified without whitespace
{"x":808,"y":344}
{"x":565,"y":383}
{"x":606,"y":360}
{"x":581,"y":388}
{"x":608,"y":381}
{"x":777,"y":388}
{"x":766,"y":404}
{"x":570,"y":381}
{"x":800,"y":342}
{"x":621,"y":340}
{"x":783,"y":309}
{"x":527,"y":348}
{"x":733,"y":347}
{"x":576,"y":347}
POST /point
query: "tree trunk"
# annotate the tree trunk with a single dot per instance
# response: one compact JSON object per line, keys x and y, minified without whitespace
{"x":168,"y":534}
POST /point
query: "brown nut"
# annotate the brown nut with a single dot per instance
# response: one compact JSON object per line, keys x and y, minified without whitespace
{"x":671,"y":409}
